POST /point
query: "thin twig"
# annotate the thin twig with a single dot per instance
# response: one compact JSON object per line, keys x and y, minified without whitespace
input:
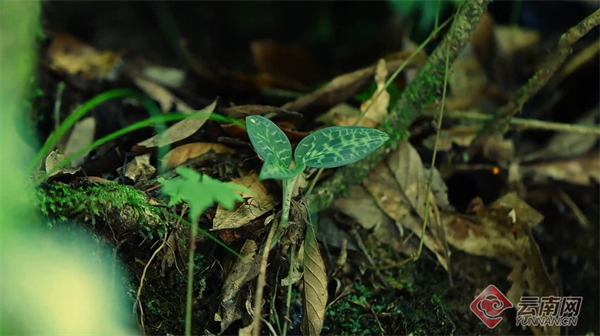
{"x":262,"y":281}
{"x":520,"y":123}
{"x":430,"y":179}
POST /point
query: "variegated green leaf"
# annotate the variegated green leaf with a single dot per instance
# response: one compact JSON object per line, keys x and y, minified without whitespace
{"x":338,"y":146}
{"x":268,"y":139}
{"x":275,"y":169}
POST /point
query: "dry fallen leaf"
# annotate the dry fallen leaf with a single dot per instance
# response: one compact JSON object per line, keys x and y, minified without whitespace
{"x":360,"y":205}
{"x":379,"y":111}
{"x":245,"y":269}
{"x":582,"y":170}
{"x":569,"y":144}
{"x":178,"y":131}
{"x":344,"y":86}
{"x":70,"y":55}
{"x":164,"y":97}
{"x":139,"y":168}
{"x":242,"y":111}
{"x":315,"y":285}
{"x":80,"y":137}
{"x":390,"y":198}
{"x":461,"y":136}
{"x":52,"y":160}
{"x":255,"y":206}
{"x":409,"y":173}
{"x":179,"y":155}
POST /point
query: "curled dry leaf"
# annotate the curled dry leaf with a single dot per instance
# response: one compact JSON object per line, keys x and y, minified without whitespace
{"x":52,"y":161}
{"x":379,"y":111}
{"x":483,"y":231}
{"x":242,"y":111}
{"x":345,"y":86}
{"x":254,"y":207}
{"x":461,"y":136}
{"x":359,"y":204}
{"x":181,"y":154}
{"x":290,"y":131}
{"x":70,"y":55}
{"x":503,"y":231}
{"x":315,"y":285}
{"x":164,"y":97}
{"x":139,"y":168}
{"x":582,"y":170}
{"x":409,"y":173}
{"x":390,"y":198}
{"x":245,"y":269}
{"x":81,"y":136}
{"x":178,"y":131}
{"x":569,"y":144}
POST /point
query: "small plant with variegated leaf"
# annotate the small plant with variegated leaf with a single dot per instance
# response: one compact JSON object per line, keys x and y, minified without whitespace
{"x":329,"y":147}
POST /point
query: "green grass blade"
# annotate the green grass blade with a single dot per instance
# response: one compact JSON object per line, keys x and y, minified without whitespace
{"x":85,"y":108}
{"x":133,"y":127}
{"x":338,"y":146}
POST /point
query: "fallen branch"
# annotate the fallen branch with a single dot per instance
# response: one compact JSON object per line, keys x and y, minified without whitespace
{"x":422,"y":91}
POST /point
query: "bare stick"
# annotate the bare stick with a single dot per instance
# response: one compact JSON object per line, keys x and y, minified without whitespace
{"x":520,"y":123}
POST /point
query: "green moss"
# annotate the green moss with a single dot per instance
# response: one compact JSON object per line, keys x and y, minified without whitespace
{"x":93,"y":202}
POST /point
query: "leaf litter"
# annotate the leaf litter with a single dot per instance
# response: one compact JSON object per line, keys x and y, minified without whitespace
{"x":388,"y":203}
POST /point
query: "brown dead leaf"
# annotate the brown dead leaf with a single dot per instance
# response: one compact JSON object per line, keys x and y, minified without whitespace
{"x":177,"y":132}
{"x":344,"y":86}
{"x":164,"y":97}
{"x":315,"y":285}
{"x":139,"y":168}
{"x":379,"y":111}
{"x":569,"y":144}
{"x":290,"y":131}
{"x":461,"y":136}
{"x":341,"y":120}
{"x":582,"y":170}
{"x":467,"y":82}
{"x":407,"y":168}
{"x":438,"y":188}
{"x":170,"y":77}
{"x":359,"y":204}
{"x":255,"y":206}
{"x":530,"y":276}
{"x":81,"y":136}
{"x":242,"y":111}
{"x":488,"y":231}
{"x":70,"y":55}
{"x":390,"y":198}
{"x":52,"y":160}
{"x":498,"y":149}
{"x":181,"y":154}
{"x":245,"y":269}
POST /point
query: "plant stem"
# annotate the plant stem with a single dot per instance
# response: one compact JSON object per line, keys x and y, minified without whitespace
{"x":190,"y":280}
{"x":288,"y":189}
